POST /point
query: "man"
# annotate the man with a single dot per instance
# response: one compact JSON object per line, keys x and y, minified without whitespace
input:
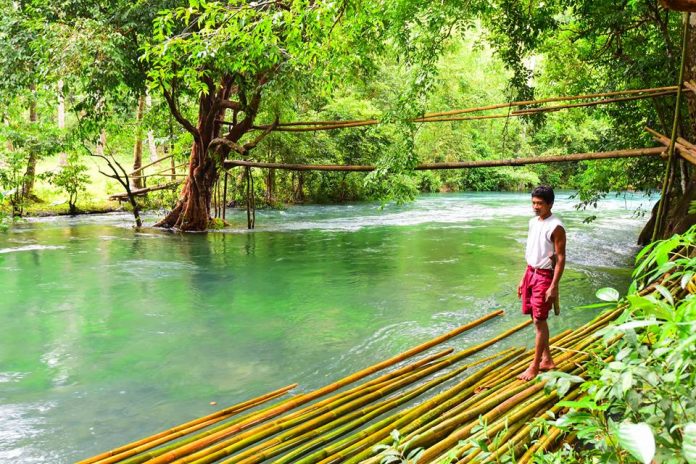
{"x":538,"y":288}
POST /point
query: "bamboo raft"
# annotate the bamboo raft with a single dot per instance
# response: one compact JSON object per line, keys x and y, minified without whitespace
{"x":437,"y":402}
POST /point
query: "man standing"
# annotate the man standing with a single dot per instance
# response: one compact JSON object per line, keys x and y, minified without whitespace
{"x":538,"y":288}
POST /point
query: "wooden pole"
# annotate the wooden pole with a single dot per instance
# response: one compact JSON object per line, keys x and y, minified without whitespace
{"x":150,"y":164}
{"x":224,"y":196}
{"x":661,"y":207}
{"x":630,"y":153}
{"x":430,"y":117}
{"x":124,"y":196}
{"x":685,"y":148}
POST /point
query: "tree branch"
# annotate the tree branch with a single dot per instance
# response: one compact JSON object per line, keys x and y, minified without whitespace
{"x":174,"y":108}
{"x":260,"y":137}
{"x":231,"y":105}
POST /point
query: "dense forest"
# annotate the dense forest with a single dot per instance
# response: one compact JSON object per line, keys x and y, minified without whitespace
{"x":93,"y":92}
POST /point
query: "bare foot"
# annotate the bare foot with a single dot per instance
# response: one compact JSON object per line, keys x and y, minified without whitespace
{"x":547,"y":365}
{"x":529,"y":374}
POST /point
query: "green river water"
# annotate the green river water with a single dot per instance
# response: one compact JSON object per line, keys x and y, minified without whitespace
{"x":108,"y":335}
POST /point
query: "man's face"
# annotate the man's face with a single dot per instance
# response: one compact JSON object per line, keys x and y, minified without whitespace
{"x":540,"y":207}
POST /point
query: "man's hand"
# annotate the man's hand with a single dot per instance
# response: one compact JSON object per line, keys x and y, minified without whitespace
{"x":552,"y":293}
{"x":519,"y":288}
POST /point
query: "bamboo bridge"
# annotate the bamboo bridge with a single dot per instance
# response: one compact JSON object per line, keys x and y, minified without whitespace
{"x":442,"y":404}
{"x":667,"y":145}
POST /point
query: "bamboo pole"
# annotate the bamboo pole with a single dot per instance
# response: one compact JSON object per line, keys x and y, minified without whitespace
{"x":685,"y":150}
{"x":352,"y":123}
{"x":150,"y":164}
{"x":398,"y":401}
{"x":629,"y":153}
{"x":331,"y":413}
{"x":143,"y":191}
{"x":373,"y":435}
{"x":666,"y":182}
{"x":404,"y":370}
{"x":227,"y":447}
{"x":216,"y":416}
{"x":339,"y":415}
{"x":303,"y":399}
{"x":163,"y":173}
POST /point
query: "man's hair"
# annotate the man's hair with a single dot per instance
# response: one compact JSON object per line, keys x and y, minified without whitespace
{"x":545,"y":193}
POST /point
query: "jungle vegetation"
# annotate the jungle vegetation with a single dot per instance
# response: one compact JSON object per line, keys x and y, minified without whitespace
{"x":130,"y":82}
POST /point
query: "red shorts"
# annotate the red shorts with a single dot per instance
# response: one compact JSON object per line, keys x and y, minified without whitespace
{"x":534,"y":286}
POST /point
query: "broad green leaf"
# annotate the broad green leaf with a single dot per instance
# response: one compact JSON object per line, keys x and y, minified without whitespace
{"x":607,"y":294}
{"x":636,"y":324}
{"x":689,"y":444}
{"x":638,"y":440}
{"x":665,"y":293}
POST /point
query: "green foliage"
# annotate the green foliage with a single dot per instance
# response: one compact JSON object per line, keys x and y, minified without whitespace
{"x":72,"y":179}
{"x":395,"y":452}
{"x":641,"y":404}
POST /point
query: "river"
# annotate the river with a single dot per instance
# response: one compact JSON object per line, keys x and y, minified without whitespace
{"x":108,"y":335}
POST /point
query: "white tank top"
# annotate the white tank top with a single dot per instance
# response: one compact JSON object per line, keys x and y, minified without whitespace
{"x":539,"y":243}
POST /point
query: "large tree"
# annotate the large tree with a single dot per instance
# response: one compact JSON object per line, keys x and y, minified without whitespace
{"x":233,"y":56}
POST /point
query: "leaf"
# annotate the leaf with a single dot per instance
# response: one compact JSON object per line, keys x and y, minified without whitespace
{"x":636,"y":324}
{"x":394,"y":434}
{"x":665,"y":293}
{"x":607,"y":294}
{"x":638,"y":440}
{"x":686,"y":278}
{"x":689,"y":444}
{"x":585,"y":403}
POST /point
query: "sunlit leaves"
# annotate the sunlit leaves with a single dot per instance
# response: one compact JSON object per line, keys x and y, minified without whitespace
{"x":638,"y":440}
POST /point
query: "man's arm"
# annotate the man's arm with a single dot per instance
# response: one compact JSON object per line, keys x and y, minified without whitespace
{"x":559,"y":245}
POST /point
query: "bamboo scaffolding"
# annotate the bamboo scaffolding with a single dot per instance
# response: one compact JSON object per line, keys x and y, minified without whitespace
{"x":429,"y":117}
{"x":685,"y":148}
{"x":629,"y":153}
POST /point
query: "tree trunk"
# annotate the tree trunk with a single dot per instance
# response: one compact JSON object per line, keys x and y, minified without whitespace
{"x":136,"y":180}
{"x":101,"y":143}
{"x":677,"y":217}
{"x":270,"y":187}
{"x":150,"y":133}
{"x":62,"y":157}
{"x":30,"y":174}
{"x":192,"y":211}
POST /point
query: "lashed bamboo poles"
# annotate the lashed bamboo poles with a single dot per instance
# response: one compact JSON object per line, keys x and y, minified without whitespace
{"x":686,"y":149}
{"x":445,"y":398}
{"x":630,"y":153}
{"x":404,"y":370}
{"x":291,"y":457}
{"x":504,"y":398}
{"x":162,"y":172}
{"x":305,"y":126}
{"x":224,"y":448}
{"x":188,"y":427}
{"x":303,"y":399}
